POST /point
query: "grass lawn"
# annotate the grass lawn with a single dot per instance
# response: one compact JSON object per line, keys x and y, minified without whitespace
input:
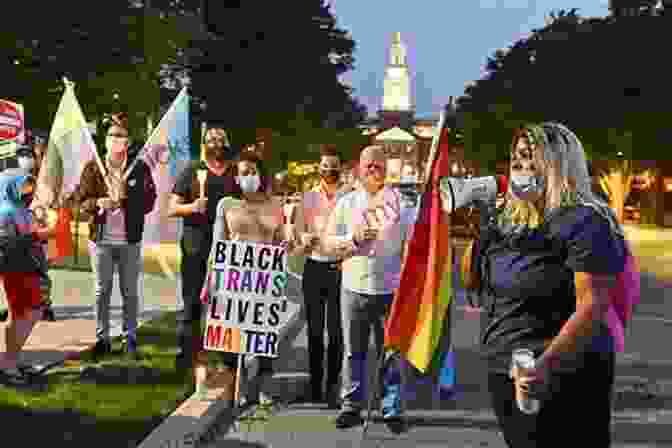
{"x":114,"y":403}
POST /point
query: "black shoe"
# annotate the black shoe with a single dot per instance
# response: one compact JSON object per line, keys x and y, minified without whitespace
{"x":49,"y":315}
{"x":349,"y":419}
{"x":14,"y":377}
{"x":182,"y":363}
{"x":333,"y":398}
{"x":397,"y":425}
{"x":101,"y":348}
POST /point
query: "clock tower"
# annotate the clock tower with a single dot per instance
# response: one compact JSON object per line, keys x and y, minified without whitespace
{"x":397,"y":105}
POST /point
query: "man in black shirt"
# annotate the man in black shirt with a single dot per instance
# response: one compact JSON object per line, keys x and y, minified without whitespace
{"x":198,"y":217}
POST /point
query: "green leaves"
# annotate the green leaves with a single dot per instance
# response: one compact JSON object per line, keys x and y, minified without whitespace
{"x":602,"y":77}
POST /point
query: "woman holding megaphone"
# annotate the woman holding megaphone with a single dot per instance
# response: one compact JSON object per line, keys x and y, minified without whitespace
{"x":545,"y":263}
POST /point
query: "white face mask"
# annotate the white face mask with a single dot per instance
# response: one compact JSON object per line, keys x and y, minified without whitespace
{"x":26,"y":163}
{"x":409,"y":178}
{"x":249,"y":184}
{"x":524,"y":185}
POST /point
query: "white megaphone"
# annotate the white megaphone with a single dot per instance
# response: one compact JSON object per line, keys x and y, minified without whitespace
{"x":457,"y":192}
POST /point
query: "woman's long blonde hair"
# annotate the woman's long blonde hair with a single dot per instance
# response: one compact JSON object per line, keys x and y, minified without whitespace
{"x":562,"y":161}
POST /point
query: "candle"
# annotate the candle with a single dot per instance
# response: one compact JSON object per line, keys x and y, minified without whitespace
{"x":202,"y":175}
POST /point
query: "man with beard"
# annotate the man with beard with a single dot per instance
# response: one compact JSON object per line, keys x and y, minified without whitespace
{"x":199,"y":217}
{"x":322,"y":277}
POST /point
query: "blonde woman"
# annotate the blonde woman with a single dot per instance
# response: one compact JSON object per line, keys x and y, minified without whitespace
{"x":548,"y":259}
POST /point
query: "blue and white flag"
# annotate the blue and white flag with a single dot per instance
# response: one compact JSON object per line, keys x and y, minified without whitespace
{"x":167,"y":152}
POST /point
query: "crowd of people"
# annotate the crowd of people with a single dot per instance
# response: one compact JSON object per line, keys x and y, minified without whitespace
{"x":550,"y":229}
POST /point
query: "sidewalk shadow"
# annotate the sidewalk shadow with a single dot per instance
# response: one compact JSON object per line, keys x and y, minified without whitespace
{"x":452,"y":422}
{"x":70,"y":428}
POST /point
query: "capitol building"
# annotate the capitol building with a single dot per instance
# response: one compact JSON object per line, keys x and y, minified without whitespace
{"x":406,"y":138}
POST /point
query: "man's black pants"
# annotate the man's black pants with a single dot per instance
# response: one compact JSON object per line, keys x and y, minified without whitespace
{"x":321,"y":292}
{"x":195,"y":245}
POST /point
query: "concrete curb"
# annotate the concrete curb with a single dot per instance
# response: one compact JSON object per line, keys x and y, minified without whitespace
{"x":193,"y":423}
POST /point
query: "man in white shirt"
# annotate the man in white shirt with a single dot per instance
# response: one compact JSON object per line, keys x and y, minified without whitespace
{"x":367,"y":223}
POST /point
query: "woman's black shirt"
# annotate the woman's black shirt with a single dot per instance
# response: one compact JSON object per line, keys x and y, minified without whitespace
{"x":528,"y":280}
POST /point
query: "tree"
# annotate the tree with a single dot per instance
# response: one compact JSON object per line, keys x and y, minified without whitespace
{"x":602,"y":77}
{"x":111,"y":48}
{"x":256,"y":71}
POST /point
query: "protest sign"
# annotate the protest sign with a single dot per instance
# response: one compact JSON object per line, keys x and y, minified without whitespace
{"x":249,"y":308}
{"x":12,"y":128}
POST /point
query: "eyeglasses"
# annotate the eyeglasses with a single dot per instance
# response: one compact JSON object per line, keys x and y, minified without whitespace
{"x":118,"y":136}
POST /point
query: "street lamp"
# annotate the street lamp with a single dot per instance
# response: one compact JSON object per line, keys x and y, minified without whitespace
{"x":115,"y":96}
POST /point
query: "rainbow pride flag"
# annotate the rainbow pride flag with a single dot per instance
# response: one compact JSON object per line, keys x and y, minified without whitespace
{"x":416,"y":322}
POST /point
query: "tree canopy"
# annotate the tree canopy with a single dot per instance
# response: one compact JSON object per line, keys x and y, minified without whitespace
{"x":602,"y":77}
{"x":272,"y":67}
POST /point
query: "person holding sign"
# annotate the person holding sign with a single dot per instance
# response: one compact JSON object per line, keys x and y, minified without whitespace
{"x":257,"y":218}
{"x":322,"y":277}
{"x":116,"y":203}
{"x":367,"y":223}
{"x":197,"y":207}
{"x":26,"y":157}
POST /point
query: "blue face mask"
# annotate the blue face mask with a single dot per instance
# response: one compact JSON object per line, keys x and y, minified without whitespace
{"x":525,"y":185}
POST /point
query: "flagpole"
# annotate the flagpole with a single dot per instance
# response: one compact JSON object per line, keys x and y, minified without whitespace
{"x":435,"y":144}
{"x":154,"y":132}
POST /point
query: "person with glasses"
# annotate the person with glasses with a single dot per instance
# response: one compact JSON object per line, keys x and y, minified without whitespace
{"x":116,"y":205}
{"x":198,"y":215}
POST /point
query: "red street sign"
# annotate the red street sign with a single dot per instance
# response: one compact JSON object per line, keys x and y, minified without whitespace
{"x":11,"y":122}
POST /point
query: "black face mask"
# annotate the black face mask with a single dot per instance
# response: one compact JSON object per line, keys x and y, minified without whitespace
{"x":329,"y":176}
{"x":27,"y":199}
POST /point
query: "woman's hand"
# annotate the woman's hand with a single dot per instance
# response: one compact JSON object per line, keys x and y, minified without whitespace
{"x":533,"y":379}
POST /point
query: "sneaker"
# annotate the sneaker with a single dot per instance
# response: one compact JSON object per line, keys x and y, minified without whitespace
{"x":395,"y":424}
{"x":102,"y":348}
{"x":14,"y":377}
{"x":349,"y":419}
{"x":265,"y":400}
